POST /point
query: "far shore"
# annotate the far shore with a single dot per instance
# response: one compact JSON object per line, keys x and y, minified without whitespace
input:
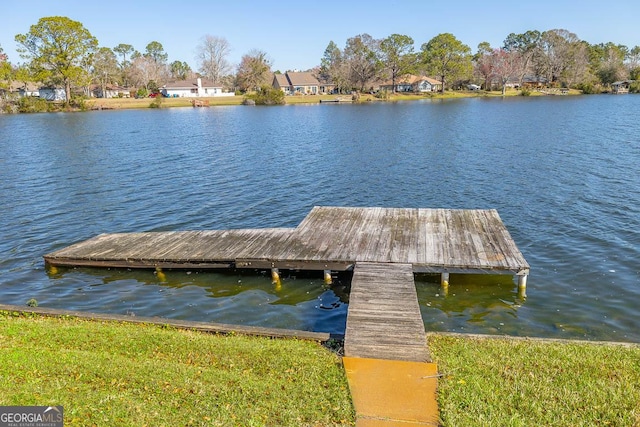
{"x":133,"y":103}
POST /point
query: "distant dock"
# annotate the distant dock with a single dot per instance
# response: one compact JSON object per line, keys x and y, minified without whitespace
{"x":383,"y":246}
{"x":337,"y":99}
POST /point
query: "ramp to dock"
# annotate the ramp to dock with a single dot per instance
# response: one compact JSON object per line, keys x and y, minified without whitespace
{"x":391,"y":377}
{"x":384,"y":320}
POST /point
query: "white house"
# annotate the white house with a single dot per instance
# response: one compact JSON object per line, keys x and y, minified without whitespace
{"x":411,"y":83}
{"x":111,"y":91}
{"x":51,"y":93}
{"x":192,"y":88}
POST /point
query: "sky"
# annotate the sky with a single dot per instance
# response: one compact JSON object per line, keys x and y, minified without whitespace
{"x":294,"y":34}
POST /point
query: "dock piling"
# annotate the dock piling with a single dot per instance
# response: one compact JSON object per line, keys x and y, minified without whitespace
{"x":522,"y":286}
{"x":275,"y":278}
{"x":327,"y":277}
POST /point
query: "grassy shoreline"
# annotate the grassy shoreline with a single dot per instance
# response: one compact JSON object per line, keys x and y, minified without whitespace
{"x":507,"y":382}
{"x":112,"y":373}
{"x":132,"y":103}
{"x":116,"y":373}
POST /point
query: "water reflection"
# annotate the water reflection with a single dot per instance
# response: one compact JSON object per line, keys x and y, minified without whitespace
{"x":246,"y":297}
{"x":484,"y":302}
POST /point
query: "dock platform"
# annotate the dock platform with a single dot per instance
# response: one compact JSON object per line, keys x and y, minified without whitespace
{"x":329,"y":238}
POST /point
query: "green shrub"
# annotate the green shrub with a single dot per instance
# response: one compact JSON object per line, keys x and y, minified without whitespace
{"x":590,"y":88}
{"x":382,"y":94}
{"x":267,"y":95}
{"x":30,"y":104}
{"x":634,"y":87}
{"x":79,"y":102}
{"x":157,"y":102}
{"x":525,"y":91}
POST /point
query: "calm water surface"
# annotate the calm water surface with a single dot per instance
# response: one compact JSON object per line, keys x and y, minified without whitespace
{"x":561,"y":171}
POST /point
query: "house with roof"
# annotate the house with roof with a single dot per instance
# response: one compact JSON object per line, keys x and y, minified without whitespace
{"x":193,"y":88}
{"x":292,"y":83}
{"x":412,"y":83}
{"x":25,"y":89}
{"x":52,"y":93}
{"x":110,"y":91}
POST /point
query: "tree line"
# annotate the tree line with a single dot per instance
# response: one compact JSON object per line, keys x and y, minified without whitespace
{"x":555,"y":58}
{"x":60,"y":51}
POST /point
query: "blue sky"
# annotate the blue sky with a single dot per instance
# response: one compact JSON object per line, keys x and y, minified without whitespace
{"x":295,"y":33}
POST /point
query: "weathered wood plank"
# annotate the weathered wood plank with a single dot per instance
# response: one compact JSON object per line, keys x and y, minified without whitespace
{"x":429,"y":239}
{"x":384,"y":319}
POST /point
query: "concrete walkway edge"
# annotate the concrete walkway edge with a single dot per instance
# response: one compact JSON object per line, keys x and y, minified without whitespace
{"x":389,"y":393}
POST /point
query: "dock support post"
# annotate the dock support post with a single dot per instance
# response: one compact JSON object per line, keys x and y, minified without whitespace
{"x":275,"y":278}
{"x":522,"y":286}
{"x":444,"y":283}
{"x":327,"y":277}
{"x":160,"y":275}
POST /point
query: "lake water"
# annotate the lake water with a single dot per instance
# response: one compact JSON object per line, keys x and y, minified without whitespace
{"x":561,"y":171}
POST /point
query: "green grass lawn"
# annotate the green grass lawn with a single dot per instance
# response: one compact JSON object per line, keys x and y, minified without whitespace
{"x":502,"y":382}
{"x":117,"y":374}
{"x":114,"y":373}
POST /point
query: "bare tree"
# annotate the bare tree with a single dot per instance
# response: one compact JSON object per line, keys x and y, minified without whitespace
{"x":633,"y":62}
{"x":361,"y":56}
{"x":145,"y":70}
{"x":528,"y":46}
{"x":483,"y":66}
{"x":212,"y":57}
{"x":505,"y":65}
{"x":561,"y":52}
{"x":254,"y":70}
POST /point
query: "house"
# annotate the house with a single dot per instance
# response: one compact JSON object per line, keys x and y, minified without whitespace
{"x":412,"y":83}
{"x":297,"y":83}
{"x":111,"y":91}
{"x":280,"y":81}
{"x":192,"y":88}
{"x":25,"y":89}
{"x":535,"y":82}
{"x":51,"y":93}
{"x":621,"y":87}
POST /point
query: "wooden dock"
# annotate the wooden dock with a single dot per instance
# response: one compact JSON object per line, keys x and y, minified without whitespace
{"x":383,"y":246}
{"x":431,"y":240}
{"x":384,"y":320}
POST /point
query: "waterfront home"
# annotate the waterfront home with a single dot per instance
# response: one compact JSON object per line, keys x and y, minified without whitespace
{"x":412,"y":83}
{"x":24,"y":89}
{"x":298,"y":83}
{"x":52,"y":93}
{"x":110,"y":91}
{"x":192,"y":88}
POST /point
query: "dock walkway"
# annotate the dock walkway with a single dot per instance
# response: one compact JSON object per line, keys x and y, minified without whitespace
{"x":384,"y":320}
